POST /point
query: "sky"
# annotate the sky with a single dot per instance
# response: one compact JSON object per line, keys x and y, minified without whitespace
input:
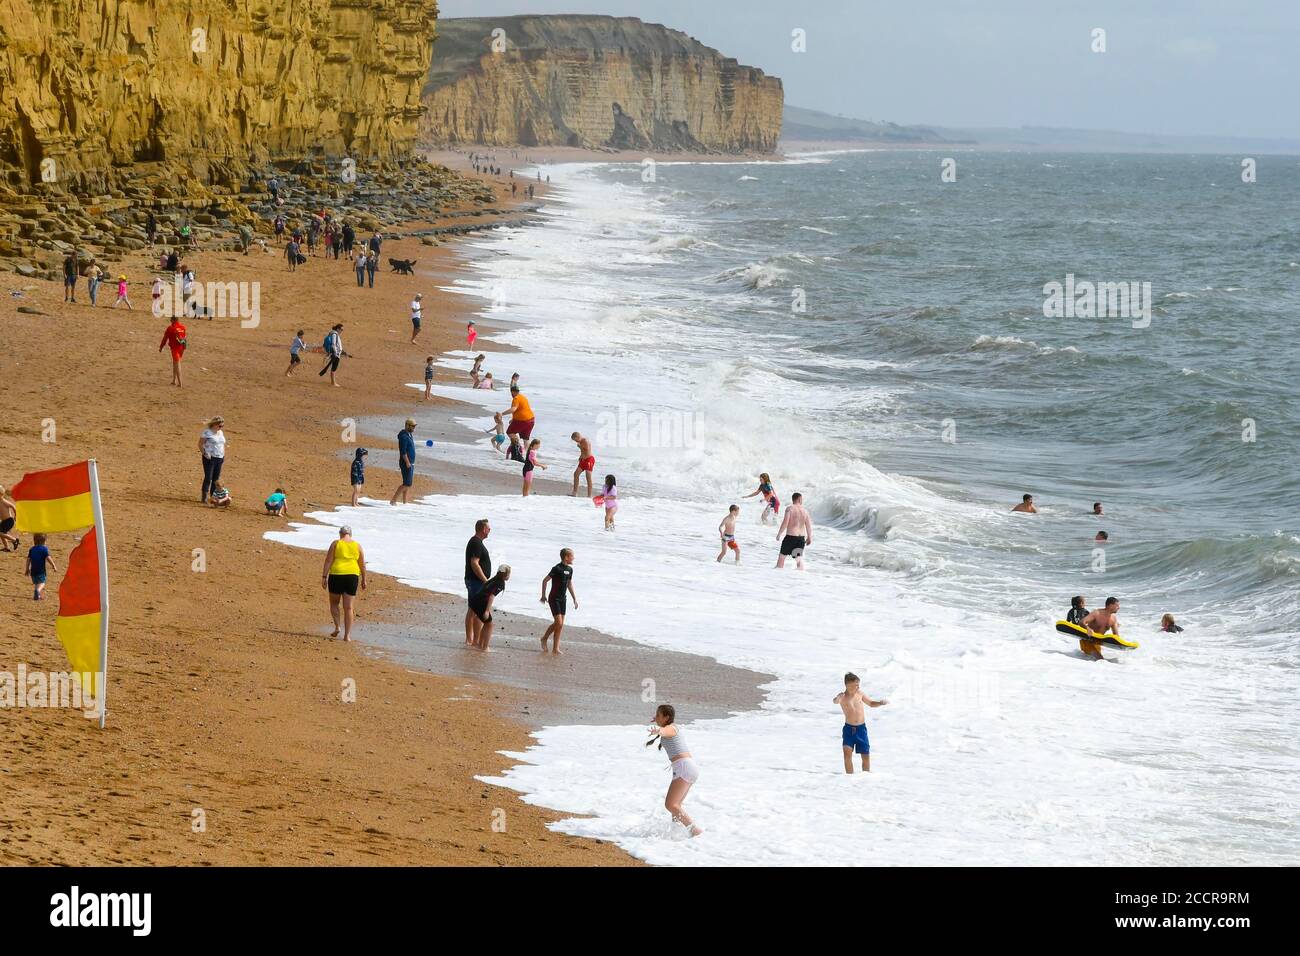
{"x":1170,"y":67}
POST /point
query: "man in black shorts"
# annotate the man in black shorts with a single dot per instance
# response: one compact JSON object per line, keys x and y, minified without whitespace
{"x":795,"y":533}
{"x":478,"y":568}
{"x":560,"y":579}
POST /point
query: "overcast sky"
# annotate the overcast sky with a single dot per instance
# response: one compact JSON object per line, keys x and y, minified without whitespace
{"x":1219,"y":67}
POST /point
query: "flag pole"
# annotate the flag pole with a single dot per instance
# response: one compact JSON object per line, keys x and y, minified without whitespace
{"x":103,"y":590}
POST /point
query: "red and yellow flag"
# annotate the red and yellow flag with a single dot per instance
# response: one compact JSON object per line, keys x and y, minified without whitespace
{"x":54,"y":500}
{"x":80,"y":612}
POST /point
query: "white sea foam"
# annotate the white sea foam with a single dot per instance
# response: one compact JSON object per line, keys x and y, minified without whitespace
{"x":999,"y":744}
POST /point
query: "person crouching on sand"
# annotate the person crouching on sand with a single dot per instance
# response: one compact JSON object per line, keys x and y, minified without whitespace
{"x":344,"y":572}
{"x":728,"y":532}
{"x":560,"y":578}
{"x":854,"y":736}
{"x":481,"y":605}
{"x":531,"y":462}
{"x":277,"y":505}
{"x":685,"y":771}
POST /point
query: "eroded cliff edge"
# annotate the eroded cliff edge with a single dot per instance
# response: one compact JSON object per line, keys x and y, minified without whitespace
{"x":204,"y":87}
{"x":595,"y":82}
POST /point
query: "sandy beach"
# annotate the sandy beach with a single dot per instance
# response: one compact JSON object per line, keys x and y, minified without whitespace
{"x":226,"y":695}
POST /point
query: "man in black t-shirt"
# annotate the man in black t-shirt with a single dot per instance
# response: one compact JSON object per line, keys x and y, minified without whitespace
{"x":478,"y":568}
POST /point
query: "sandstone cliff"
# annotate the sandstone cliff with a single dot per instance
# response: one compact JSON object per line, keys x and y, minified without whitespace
{"x":595,"y":82}
{"x":89,"y":87}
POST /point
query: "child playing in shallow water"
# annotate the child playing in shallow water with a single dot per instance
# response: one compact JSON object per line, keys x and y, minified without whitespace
{"x":516,"y":450}
{"x":854,"y":736}
{"x":728,"y":531}
{"x":499,"y":428}
{"x":531,"y":462}
{"x":771,"y":505}
{"x":609,"y":498}
{"x":428,"y":378}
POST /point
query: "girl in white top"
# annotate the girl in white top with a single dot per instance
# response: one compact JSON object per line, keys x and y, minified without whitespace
{"x":685,"y":772}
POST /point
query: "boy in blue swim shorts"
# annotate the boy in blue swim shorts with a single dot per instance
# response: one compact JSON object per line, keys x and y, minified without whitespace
{"x":854,"y":738}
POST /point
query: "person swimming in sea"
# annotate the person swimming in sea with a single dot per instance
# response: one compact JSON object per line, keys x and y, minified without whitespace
{"x":1026,"y":505}
{"x":1168,"y":626}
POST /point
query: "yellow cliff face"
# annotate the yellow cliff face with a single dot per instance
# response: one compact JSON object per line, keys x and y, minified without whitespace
{"x":594,"y":82}
{"x":89,"y":87}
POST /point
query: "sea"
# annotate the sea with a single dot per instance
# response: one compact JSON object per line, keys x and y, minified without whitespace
{"x":876,"y":330}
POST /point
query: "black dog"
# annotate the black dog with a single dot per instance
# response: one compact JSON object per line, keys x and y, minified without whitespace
{"x":404,"y":266}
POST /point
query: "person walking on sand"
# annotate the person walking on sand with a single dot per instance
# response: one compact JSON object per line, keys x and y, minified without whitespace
{"x":521,"y":414}
{"x":685,"y":772}
{"x":94,"y":276}
{"x":481,"y":606}
{"x":343,"y":573}
{"x":291,"y":254}
{"x":212,"y":444}
{"x":39,"y":563}
{"x":174,"y":335}
{"x":853,"y":738}
{"x":560,"y":579}
{"x":795,"y":533}
{"x":405,"y":461}
{"x":357,"y":476}
{"x":372,"y":265}
{"x":70,"y":277}
{"x":361,"y":269}
{"x":333,"y":353}
{"x":8,"y":517}
{"x":478,"y":568}
{"x":295,"y":353}
{"x":417,"y":314}
{"x":122,"y":298}
{"x":727,"y":530}
{"x":349,"y":239}
{"x":586,"y":463}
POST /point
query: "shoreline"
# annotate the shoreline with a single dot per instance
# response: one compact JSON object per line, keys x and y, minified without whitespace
{"x":226,"y":705}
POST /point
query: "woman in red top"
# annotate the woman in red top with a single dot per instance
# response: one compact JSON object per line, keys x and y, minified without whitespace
{"x":174,"y":335}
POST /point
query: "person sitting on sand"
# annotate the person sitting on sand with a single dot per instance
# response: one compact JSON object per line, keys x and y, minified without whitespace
{"x":1168,"y":626}
{"x":277,"y":504}
{"x":560,"y":579}
{"x":727,"y":529}
{"x":498,"y":432}
{"x":481,"y":605}
{"x":853,"y":738}
{"x":1097,"y":624}
{"x":1077,"y":611}
{"x":344,"y":572}
{"x":219,"y":496}
{"x":586,"y":462}
{"x":486,"y":382}
{"x":1026,"y":505}
{"x":8,"y":518}
{"x":684,"y":769}
{"x":771,"y":506}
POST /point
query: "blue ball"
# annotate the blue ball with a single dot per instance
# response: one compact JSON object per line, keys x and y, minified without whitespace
{"x":428,"y":443}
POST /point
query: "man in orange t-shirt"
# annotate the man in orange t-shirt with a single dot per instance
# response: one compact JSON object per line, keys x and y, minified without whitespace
{"x":521,"y":415}
{"x":174,"y":335}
